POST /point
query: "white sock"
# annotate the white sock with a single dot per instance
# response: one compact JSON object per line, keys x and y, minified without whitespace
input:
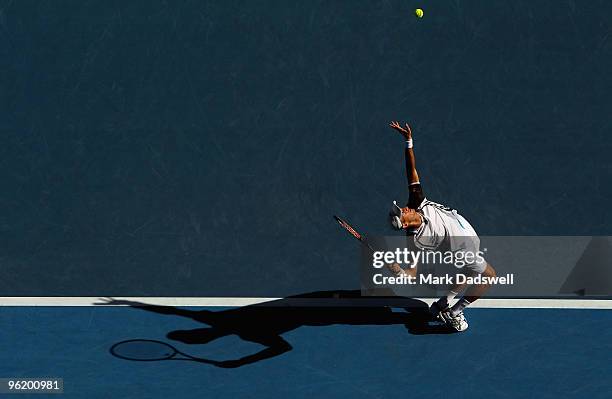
{"x":459,"y":306}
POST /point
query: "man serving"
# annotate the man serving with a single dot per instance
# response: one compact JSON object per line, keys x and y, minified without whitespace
{"x":434,"y":226}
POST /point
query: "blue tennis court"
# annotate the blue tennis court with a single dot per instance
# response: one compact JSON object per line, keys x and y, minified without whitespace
{"x":191,"y":154}
{"x":364,"y":352}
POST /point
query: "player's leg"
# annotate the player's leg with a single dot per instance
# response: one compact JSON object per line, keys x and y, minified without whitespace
{"x":473,"y":292}
{"x":443,"y":304}
{"x":467,"y":239}
{"x":441,"y":309}
{"x":453,"y":316}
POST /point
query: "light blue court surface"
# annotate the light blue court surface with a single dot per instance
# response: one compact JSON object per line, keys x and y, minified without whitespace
{"x":506,"y":353}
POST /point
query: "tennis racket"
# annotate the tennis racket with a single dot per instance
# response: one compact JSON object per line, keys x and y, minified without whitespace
{"x":353,"y":232}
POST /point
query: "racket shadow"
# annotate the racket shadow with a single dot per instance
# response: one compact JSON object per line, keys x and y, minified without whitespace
{"x":149,"y":350}
{"x":265,"y":323}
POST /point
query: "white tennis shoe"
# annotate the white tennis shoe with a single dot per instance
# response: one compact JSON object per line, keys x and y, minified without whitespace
{"x":456,"y":322}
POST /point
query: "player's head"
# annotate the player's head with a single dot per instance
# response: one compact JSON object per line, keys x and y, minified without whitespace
{"x":404,"y":218}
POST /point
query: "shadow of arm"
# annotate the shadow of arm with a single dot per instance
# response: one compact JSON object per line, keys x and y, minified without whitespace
{"x":278,"y":347}
{"x":169,"y":310}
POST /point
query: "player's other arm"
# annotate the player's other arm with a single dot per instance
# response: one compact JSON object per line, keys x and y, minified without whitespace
{"x":415,"y":191}
{"x":398,"y":271}
{"x":411,"y":172}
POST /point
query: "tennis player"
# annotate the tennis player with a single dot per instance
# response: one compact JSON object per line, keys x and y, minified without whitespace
{"x":435,"y":226}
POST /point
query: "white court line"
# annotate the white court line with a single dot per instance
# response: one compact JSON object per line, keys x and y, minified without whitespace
{"x":366,"y":301}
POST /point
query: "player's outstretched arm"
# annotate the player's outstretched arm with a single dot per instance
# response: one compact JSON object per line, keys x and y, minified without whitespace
{"x":406,"y":132}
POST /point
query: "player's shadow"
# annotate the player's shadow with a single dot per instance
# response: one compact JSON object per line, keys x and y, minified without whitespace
{"x":265,"y":323}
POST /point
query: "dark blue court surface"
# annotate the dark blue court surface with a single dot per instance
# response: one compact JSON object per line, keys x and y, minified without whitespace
{"x":151,"y":144}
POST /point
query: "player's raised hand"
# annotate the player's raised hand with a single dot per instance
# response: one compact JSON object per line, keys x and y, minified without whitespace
{"x":404,"y":131}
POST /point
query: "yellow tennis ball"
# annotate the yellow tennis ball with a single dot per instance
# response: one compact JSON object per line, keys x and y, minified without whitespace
{"x":419,"y":13}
